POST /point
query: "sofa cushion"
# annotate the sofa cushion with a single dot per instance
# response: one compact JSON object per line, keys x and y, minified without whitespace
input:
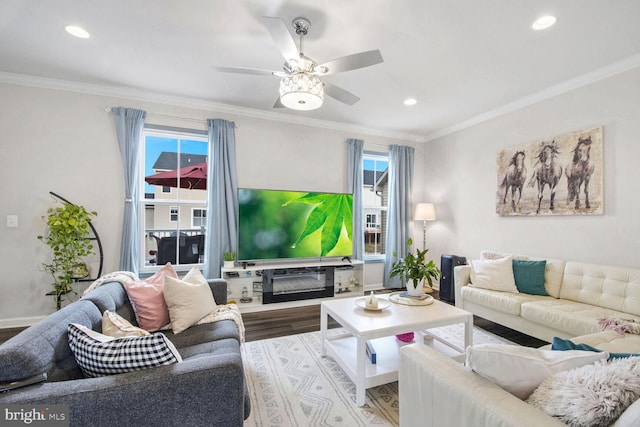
{"x":554,"y":272}
{"x":611,"y":341}
{"x":572,"y":317}
{"x":592,"y":395}
{"x":212,"y":348}
{"x":493,"y":274}
{"x":615,"y":288}
{"x":112,"y":297}
{"x":560,"y":344}
{"x":630,"y":417}
{"x":505,"y":302}
{"x":99,"y":355}
{"x":188,"y":300}
{"x":44,"y":347}
{"x":519,"y":370}
{"x":204,"y":333}
{"x":529,"y":276}
{"x":115,"y":325}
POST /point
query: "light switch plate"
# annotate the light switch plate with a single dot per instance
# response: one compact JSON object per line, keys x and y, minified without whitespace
{"x":12,"y":221}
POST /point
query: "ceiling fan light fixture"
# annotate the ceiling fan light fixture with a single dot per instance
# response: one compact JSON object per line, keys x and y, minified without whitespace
{"x":301,"y":91}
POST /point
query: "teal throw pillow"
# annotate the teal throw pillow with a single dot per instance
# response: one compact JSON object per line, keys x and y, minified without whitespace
{"x":562,"y":344}
{"x":529,"y":276}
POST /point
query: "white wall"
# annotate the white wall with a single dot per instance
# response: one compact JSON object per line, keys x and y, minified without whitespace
{"x":65,"y":142}
{"x":460,"y":177}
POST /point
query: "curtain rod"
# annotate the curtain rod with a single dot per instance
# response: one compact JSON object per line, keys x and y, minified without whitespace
{"x":166,"y":116}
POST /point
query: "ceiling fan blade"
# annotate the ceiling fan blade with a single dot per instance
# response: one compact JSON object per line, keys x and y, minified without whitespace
{"x":281,"y":35}
{"x":240,"y":70}
{"x":340,"y":94}
{"x":278,"y":104}
{"x":349,"y":62}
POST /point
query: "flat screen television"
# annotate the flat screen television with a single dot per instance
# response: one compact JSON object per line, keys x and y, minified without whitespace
{"x":276,"y":224}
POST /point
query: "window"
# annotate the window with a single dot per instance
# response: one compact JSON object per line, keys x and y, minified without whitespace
{"x":375,"y":195}
{"x":198,"y":217}
{"x":173,"y":210}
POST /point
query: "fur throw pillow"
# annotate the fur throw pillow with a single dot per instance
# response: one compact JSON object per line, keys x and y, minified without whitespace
{"x":591,"y":395}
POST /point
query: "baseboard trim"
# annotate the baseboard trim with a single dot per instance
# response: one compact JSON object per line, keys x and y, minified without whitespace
{"x":19,"y":322}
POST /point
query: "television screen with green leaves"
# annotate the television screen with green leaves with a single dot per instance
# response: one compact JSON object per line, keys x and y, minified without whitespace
{"x":275,"y":224}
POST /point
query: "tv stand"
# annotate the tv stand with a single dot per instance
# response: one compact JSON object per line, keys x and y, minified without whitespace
{"x":264,"y":286}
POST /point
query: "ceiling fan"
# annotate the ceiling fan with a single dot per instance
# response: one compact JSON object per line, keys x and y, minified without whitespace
{"x":300,"y":87}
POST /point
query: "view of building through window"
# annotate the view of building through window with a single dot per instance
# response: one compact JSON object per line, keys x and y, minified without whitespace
{"x":374,"y":201}
{"x":174,"y":205}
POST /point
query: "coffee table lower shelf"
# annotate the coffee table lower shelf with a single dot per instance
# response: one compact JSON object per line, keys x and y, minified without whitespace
{"x":342,"y":348}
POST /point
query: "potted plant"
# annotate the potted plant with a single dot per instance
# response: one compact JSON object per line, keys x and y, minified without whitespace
{"x":229,"y":258}
{"x":68,"y":227}
{"x":413,"y":269}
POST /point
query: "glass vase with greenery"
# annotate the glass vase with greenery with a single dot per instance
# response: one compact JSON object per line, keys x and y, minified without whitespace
{"x":68,"y":228}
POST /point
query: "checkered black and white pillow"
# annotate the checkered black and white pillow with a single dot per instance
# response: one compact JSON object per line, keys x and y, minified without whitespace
{"x":99,"y":355}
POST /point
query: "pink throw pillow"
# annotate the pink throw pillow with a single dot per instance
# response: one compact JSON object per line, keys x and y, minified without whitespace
{"x":147,"y":299}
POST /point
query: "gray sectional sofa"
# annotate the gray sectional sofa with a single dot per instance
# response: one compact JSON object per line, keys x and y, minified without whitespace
{"x":207,"y":388}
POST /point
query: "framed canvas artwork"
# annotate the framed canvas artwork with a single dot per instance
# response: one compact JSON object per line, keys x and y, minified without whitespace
{"x":559,"y":176}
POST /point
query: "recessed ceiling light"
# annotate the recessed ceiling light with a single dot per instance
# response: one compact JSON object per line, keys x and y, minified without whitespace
{"x":544,"y":22}
{"x":410,"y":101}
{"x":76,"y":31}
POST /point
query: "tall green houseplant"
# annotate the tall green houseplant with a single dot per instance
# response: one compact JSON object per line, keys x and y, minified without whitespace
{"x":68,"y":228}
{"x":414,"y":268}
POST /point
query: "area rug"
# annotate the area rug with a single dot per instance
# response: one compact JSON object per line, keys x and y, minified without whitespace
{"x":290,"y":384}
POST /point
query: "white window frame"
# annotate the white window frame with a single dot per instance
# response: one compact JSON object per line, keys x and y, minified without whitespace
{"x":193,"y":217}
{"x":181,"y":134}
{"x":174,"y":210}
{"x":366,"y":209}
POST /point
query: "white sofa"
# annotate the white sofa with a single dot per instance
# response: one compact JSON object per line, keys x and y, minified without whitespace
{"x":579,"y":294}
{"x":435,"y":390}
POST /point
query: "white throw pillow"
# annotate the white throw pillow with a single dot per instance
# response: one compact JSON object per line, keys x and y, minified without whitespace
{"x":519,"y":370}
{"x":494,"y":274}
{"x":115,"y":325}
{"x":189,"y":299}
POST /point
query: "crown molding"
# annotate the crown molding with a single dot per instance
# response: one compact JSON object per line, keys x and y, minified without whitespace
{"x":619,"y":67}
{"x":178,"y":101}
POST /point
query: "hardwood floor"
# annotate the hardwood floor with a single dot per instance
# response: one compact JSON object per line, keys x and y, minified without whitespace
{"x":277,"y":323}
{"x":280,"y":322}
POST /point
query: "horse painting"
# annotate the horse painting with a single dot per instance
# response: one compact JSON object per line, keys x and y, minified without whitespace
{"x":579,"y":172}
{"x":546,"y":171}
{"x":514,"y":179}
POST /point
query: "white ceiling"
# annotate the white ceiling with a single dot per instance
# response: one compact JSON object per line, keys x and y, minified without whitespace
{"x":459,"y":58}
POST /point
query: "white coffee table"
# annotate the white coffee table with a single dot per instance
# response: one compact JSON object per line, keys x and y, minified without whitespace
{"x":380,"y":328}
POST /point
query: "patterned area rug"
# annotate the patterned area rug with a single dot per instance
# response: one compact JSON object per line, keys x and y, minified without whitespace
{"x":290,"y":384}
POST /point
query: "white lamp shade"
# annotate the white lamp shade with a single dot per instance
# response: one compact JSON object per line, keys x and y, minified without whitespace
{"x":424,"y":212}
{"x":301,"y":92}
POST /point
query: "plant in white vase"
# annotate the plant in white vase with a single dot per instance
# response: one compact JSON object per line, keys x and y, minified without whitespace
{"x":413,"y":269}
{"x":229,"y":258}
